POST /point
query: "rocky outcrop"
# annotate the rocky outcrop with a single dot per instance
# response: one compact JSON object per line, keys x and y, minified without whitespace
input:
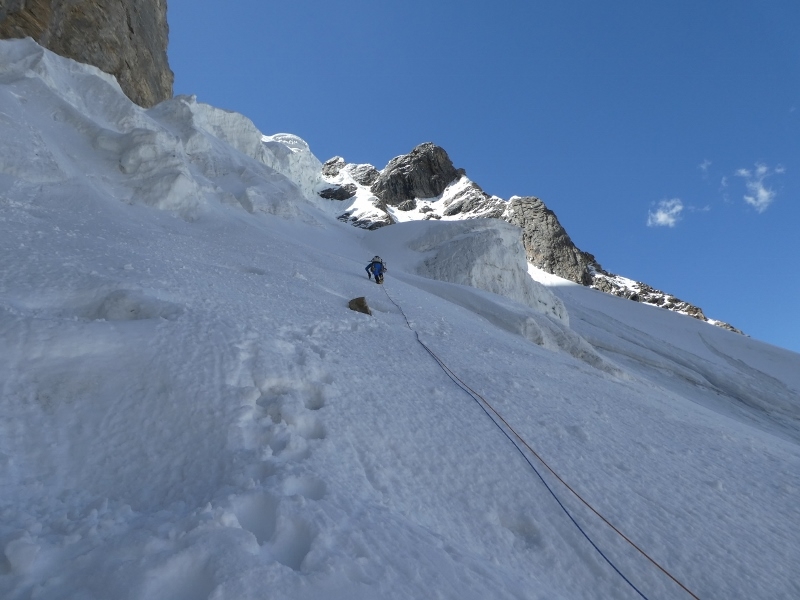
{"x":126,"y":38}
{"x":472,"y":200}
{"x":341,"y":192}
{"x":546,"y":242}
{"x":332,"y":166}
{"x":424,"y":172}
{"x":364,"y":174}
{"x":371,"y":222}
{"x":359,"y":305}
{"x":641,"y":292}
{"x":407,"y":205}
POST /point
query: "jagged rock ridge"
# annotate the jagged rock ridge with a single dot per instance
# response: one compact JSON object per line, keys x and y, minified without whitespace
{"x":126,"y":38}
{"x":546,"y":242}
{"x":424,"y":184}
{"x":423,"y":173}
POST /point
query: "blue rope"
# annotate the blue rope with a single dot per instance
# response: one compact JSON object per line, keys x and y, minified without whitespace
{"x":454,"y":378}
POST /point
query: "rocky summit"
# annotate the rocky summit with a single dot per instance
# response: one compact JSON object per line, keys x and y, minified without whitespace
{"x":424,"y":184}
{"x":425,"y":172}
{"x":125,"y":38}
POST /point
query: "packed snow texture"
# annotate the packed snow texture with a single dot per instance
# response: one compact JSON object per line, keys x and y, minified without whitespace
{"x":189,"y":410}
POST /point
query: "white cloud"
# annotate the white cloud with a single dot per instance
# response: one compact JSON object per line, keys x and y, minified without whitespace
{"x":758,"y":195}
{"x":703,"y":166}
{"x":667,"y":214}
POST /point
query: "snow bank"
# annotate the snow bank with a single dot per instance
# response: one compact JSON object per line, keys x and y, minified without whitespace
{"x":292,"y":157}
{"x":481,"y":253}
{"x":485,"y":255}
{"x":86,"y":89}
{"x":181,"y":155}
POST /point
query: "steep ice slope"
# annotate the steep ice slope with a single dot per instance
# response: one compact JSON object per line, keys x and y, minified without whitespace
{"x":748,"y":380}
{"x":189,"y":410}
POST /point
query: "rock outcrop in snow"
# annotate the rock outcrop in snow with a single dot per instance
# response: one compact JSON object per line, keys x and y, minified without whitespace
{"x":125,"y":38}
{"x":424,"y":172}
{"x":364,"y":175}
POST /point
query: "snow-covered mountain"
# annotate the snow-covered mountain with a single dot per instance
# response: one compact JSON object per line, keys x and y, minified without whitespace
{"x":424,"y":185}
{"x":189,"y":410}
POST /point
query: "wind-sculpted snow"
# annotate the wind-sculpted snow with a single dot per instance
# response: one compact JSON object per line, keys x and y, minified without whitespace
{"x":291,"y":156}
{"x":87,"y":89}
{"x":176,"y":156}
{"x":189,"y":409}
{"x":519,"y":320}
{"x":484,"y":254}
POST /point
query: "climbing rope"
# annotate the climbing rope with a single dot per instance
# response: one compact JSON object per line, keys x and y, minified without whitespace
{"x":489,"y":410}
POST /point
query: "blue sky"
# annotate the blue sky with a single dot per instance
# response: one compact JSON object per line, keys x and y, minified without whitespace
{"x":665,"y":136}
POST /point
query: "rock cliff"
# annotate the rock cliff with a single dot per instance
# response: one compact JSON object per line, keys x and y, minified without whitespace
{"x":425,"y":172}
{"x":126,"y":38}
{"x":546,"y":242}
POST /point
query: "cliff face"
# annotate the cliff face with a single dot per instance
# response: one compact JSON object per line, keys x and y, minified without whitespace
{"x":546,"y":242}
{"x":126,"y":38}
{"x":423,"y":173}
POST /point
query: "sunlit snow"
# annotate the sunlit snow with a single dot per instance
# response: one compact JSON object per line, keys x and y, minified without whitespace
{"x":189,"y":410}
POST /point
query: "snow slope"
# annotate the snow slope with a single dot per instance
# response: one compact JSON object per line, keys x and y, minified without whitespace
{"x":189,"y":409}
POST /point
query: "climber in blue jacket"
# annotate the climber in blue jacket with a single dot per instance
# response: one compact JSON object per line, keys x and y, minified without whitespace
{"x":376,"y":267}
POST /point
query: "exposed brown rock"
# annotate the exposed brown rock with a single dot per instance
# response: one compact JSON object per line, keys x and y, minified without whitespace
{"x":126,"y":38}
{"x":359,"y":305}
{"x":339,"y":192}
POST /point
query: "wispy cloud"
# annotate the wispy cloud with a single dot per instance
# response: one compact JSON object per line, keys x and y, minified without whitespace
{"x":666,"y":214}
{"x":703,"y":166}
{"x":759,"y":195}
